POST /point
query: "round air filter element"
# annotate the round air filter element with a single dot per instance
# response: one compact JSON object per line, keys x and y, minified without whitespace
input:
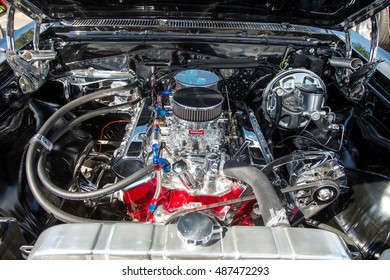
{"x":197,"y":104}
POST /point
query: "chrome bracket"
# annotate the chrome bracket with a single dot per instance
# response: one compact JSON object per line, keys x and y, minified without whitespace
{"x":263,"y":145}
{"x":279,"y":217}
{"x":37,"y":32}
{"x":25,"y":250}
{"x":31,"y":66}
{"x":353,"y":82}
{"x":41,"y":139}
{"x":374,"y":38}
{"x":10,"y":30}
{"x":348,"y":44}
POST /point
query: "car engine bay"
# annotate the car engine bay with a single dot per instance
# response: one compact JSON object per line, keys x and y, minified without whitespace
{"x":199,"y":138}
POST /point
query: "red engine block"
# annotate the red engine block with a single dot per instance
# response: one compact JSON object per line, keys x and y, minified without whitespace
{"x":138,"y":200}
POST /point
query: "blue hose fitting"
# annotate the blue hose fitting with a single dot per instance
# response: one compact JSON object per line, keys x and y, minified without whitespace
{"x":165,"y":165}
{"x":155,"y":154}
{"x":165,"y":92}
{"x":161,"y":112}
{"x":158,"y":161}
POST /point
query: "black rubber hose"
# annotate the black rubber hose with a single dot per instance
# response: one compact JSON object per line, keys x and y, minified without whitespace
{"x":40,"y":197}
{"x":31,"y":157}
{"x":87,"y":116}
{"x":120,"y":91}
{"x":43,"y":176}
{"x":91,"y":194}
{"x":269,"y":203}
{"x":301,"y":155}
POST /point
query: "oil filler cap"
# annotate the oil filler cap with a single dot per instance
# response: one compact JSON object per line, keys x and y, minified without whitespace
{"x":195,"y":229}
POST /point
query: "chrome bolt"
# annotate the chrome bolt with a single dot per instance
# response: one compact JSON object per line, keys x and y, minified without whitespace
{"x":325,"y":194}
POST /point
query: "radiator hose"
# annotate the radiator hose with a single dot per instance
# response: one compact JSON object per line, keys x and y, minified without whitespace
{"x":272,"y":211}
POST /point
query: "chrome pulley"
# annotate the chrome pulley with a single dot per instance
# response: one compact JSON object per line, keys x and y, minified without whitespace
{"x":326,"y":194}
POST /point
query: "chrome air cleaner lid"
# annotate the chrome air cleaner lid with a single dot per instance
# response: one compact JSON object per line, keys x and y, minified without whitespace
{"x":197,"y":104}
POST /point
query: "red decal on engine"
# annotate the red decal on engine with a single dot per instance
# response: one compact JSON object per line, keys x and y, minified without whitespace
{"x":196,"y":131}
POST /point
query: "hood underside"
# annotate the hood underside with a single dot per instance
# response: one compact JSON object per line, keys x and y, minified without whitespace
{"x":334,"y":14}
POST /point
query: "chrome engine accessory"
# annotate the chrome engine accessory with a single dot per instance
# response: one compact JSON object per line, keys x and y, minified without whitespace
{"x":197,"y":104}
{"x":293,"y":97}
{"x":315,"y":183}
{"x":32,"y":67}
{"x":316,"y":179}
{"x":196,"y":78}
{"x":116,"y":241}
{"x":129,"y":157}
{"x":40,"y":55}
{"x":180,"y":168}
{"x":196,"y":229}
{"x":92,"y":73}
{"x":352,"y":81}
{"x":350,"y":63}
{"x":323,"y":166}
{"x":187,"y":138}
{"x":263,"y":146}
